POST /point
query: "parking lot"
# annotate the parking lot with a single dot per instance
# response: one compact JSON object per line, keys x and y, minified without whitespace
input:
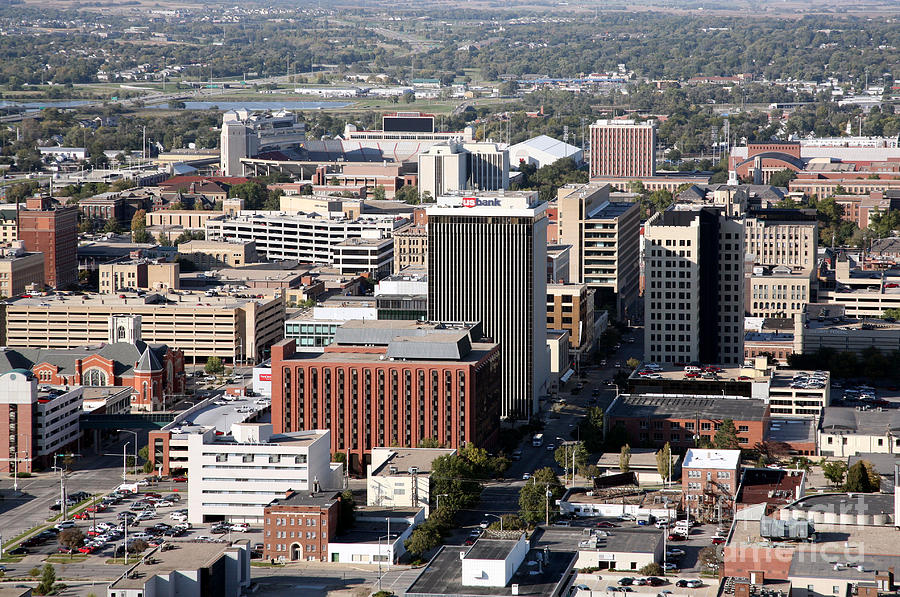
{"x":153,"y":515}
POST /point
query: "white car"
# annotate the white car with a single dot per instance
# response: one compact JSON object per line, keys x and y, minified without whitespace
{"x":240,"y":527}
{"x":178,"y":516}
{"x":66,"y":524}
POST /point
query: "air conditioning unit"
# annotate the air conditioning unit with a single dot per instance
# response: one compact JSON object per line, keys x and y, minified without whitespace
{"x":413,"y":470}
{"x":393,"y":470}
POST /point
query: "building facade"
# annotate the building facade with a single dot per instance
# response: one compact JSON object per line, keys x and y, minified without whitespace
{"x":390,"y":383}
{"x":782,"y":237}
{"x":207,"y":254}
{"x":570,"y":307}
{"x":604,"y":237}
{"x":694,"y":287}
{"x":20,"y":270}
{"x":139,"y":274}
{"x":372,"y":257}
{"x":623,"y":148}
{"x":38,"y":421}
{"x":200,"y":326}
{"x":401,"y":477}
{"x":710,"y":479}
{"x":54,"y":233}
{"x":779,"y":291}
{"x":235,"y":477}
{"x":299,"y":526}
{"x":306,"y":238}
{"x":487,"y":262}
{"x":410,"y":247}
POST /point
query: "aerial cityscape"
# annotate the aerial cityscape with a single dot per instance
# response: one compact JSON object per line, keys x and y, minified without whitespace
{"x":450,"y":298}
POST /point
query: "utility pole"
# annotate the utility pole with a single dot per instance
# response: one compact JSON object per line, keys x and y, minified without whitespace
{"x":547,"y":513}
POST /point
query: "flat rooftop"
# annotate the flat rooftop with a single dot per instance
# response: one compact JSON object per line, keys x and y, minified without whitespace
{"x":621,"y":540}
{"x":847,"y":419}
{"x":806,"y":565}
{"x":322,"y":499}
{"x":840,"y":540}
{"x":187,"y":555}
{"x":180,"y":300}
{"x":443,"y":575}
{"x":791,"y":431}
{"x":714,"y":459}
{"x":491,"y":549}
{"x":405,"y":458}
{"x":687,"y":407}
{"x":860,"y":503}
{"x":610,"y":210}
{"x":369,"y":532}
{"x":760,"y":485}
{"x":640,"y":458}
{"x":631,"y":495}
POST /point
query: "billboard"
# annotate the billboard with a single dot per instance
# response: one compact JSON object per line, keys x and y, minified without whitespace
{"x":408,"y":124}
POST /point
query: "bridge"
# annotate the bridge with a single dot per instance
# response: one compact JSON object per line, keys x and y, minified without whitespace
{"x":105,"y":422}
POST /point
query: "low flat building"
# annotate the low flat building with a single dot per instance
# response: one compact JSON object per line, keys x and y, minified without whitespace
{"x":377,"y":535}
{"x":774,"y":487}
{"x":235,"y":477}
{"x":827,"y":327}
{"x":401,"y":477}
{"x":198,"y":325}
{"x":20,"y":270}
{"x":189,"y":569}
{"x":846,"y":431}
{"x":209,"y":254}
{"x":373,"y":257}
{"x":643,"y":464}
{"x":495,"y":567}
{"x":779,"y":291}
{"x":621,"y":548}
{"x":656,"y":419}
{"x":181,"y":219}
{"x":617,"y":500}
{"x":139,"y":274}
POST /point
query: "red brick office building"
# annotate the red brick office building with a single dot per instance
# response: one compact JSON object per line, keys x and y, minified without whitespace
{"x":390,"y":383}
{"x":53,"y":232}
{"x":300,"y":525}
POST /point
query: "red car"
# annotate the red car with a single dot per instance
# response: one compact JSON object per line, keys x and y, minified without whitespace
{"x":179,"y":479}
{"x":606,"y":525}
{"x":82,"y":516}
{"x":86,"y":549}
{"x":718,"y":540}
{"x":151,"y":494}
{"x":692,"y":375}
{"x":676,"y":537}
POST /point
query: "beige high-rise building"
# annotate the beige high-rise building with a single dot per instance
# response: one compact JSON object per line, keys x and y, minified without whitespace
{"x":694,"y":291}
{"x":570,"y":307}
{"x":410,"y":247}
{"x":782,"y":237}
{"x":604,"y":237}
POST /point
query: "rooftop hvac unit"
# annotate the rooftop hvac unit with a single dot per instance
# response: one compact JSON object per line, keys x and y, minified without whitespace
{"x":413,"y":470}
{"x":392,"y":470}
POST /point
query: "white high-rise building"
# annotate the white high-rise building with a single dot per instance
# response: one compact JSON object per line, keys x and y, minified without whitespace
{"x":456,"y":166}
{"x":246,"y":134}
{"x":694,"y":287}
{"x":487,"y":262}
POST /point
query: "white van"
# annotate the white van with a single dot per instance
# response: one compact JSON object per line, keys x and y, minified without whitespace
{"x":692,"y":369}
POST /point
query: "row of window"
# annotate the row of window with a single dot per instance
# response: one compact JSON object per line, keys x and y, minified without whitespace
{"x":298,"y":534}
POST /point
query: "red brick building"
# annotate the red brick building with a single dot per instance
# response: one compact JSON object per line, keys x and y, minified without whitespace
{"x":623,"y":148}
{"x":53,"y":232}
{"x":710,"y":479}
{"x":391,"y":383}
{"x":682,"y":420}
{"x":300,"y":525}
{"x":155,"y":372}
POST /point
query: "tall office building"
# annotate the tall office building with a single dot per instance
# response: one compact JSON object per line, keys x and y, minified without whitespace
{"x":604,"y":238}
{"x":455,"y":166}
{"x":694,"y":294}
{"x":782,"y":237}
{"x":53,"y":232}
{"x":487,"y":262}
{"x":623,"y":148}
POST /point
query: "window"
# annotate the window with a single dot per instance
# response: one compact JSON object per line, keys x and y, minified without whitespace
{"x":743,"y":428}
{"x":95,"y":377}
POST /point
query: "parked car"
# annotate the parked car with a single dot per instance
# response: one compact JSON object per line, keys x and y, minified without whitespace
{"x":240,"y":527}
{"x":718,"y":540}
{"x":625,"y":581}
{"x":179,"y":479}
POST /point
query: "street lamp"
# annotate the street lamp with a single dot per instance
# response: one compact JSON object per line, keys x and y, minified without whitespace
{"x":135,"y":434}
{"x":124,"y":462}
{"x":500,"y":518}
{"x":439,"y":496}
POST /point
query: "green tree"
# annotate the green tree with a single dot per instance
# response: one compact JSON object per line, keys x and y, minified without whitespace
{"x":891,"y":314}
{"x":139,"y":221}
{"x":858,"y":480}
{"x":48,"y":580}
{"x":538,"y":495}
{"x":163,"y":240}
{"x":782,"y":177}
{"x":348,"y":511}
{"x":111,"y":226}
{"x":141,"y":236}
{"x":664,"y":462}
{"x":571,"y":454}
{"x":378,"y":193}
{"x":424,"y":538}
{"x":633,"y":363}
{"x":254,"y":194}
{"x":214,"y":365}
{"x":625,"y":458}
{"x":652,"y":569}
{"x":408,"y":194}
{"x":726,"y":436}
{"x":592,"y":429}
{"x":429,"y":442}
{"x":834,"y":471}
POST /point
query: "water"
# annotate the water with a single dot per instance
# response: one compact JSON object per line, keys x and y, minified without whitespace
{"x":285,"y":105}
{"x":40,"y":105}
